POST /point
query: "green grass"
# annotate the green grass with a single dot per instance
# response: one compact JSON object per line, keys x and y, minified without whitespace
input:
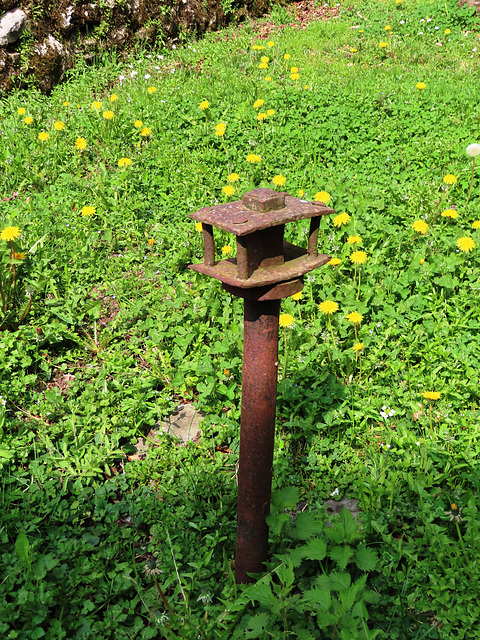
{"x":104,"y":333}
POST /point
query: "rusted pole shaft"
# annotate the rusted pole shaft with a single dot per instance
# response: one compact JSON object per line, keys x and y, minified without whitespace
{"x":257,"y":432}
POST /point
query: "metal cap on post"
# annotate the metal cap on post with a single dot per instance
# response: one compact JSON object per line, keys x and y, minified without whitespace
{"x":265,"y":270}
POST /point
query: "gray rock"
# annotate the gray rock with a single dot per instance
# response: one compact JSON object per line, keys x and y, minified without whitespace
{"x":11,"y":26}
{"x":184,"y":424}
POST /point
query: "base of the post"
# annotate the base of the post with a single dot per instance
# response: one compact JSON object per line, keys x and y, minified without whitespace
{"x":257,"y":433}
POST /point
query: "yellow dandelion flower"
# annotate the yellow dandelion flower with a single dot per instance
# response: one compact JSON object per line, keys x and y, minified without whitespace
{"x":226,"y":250}
{"x":261,"y":116}
{"x":96,"y":106}
{"x":300,"y":193}
{"x":293,"y":69}
{"x":19,"y":256}
{"x":270,"y":112}
{"x":431,"y":395}
{"x":420,"y":226}
{"x":342,"y":218}
{"x":286,"y":320}
{"x":447,"y":32}
{"x":228,"y":190}
{"x":270,"y":43}
{"x":151,"y":90}
{"x":66,"y":103}
{"x":258,"y":103}
{"x":297,"y":296}
{"x":28,"y":120}
{"x":476,"y":224}
{"x":327,"y":307}
{"x":80,"y":144}
{"x":421,"y":85}
{"x":355,"y":317}
{"x":220,"y":129}
{"x":258,"y":47}
{"x":204,"y":105}
{"x":358,"y":257}
{"x":21,"y":111}
{"x":124,"y":162}
{"x":354,"y":240}
{"x":422,"y":260}
{"x":382,"y":45}
{"x":138,"y":124}
{"x":449,"y":179}
{"x":145,"y":132}
{"x":10,"y":233}
{"x":58,"y":125}
{"x":294,"y":76}
{"x":268,"y":79}
{"x":113,"y":97}
{"x":322,"y":196}
{"x":198,"y":227}
{"x":334,"y":262}
{"x":151,"y":242}
{"x":353,"y":51}
{"x":287,"y":56}
{"x":88,"y":211}
{"x":263,"y":65}
{"x":43,"y":136}
{"x":252,"y":158}
{"x":279,"y":180}
{"x":233,"y":177}
{"x":466,"y":244}
{"x":358,"y":346}
{"x":449,"y":213}
{"x":388,"y":27}
{"x":265,"y":59}
{"x":108,"y":115}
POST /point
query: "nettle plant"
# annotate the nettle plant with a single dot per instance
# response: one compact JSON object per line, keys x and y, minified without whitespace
{"x":317,"y":586}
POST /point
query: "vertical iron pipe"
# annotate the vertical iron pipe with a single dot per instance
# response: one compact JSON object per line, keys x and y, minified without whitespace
{"x":257,"y":433}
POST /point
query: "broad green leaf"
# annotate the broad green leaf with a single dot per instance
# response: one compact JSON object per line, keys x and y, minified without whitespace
{"x":341,"y":555}
{"x":22,"y":548}
{"x":260,"y":592}
{"x":366,"y":558}
{"x":256,"y":626}
{"x":344,"y":528}
{"x":340,"y":581}
{"x":315,"y":549}
{"x":285,"y":574}
{"x":307,"y":526}
{"x":318,"y":597}
{"x":286,"y":498}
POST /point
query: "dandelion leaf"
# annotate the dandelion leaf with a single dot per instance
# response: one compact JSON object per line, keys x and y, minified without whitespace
{"x":365,"y":558}
{"x":256,"y":627}
{"x":341,"y":555}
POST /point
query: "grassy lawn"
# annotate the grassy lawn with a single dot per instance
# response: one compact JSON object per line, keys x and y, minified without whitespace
{"x":110,"y":529}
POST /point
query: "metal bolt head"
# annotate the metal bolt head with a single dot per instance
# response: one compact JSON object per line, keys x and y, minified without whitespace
{"x":263,"y":200}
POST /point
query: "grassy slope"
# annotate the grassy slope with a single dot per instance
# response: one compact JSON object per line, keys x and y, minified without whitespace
{"x":139,"y":332}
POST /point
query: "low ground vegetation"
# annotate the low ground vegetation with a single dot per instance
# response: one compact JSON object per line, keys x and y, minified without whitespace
{"x":105,"y":331}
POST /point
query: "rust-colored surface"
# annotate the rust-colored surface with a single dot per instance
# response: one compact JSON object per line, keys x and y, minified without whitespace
{"x":270,"y":292}
{"x":257,"y":430}
{"x":297,"y":263}
{"x":240,"y":220}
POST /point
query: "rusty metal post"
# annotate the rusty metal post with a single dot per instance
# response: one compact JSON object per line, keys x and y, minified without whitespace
{"x":257,"y":432}
{"x":265,"y":270}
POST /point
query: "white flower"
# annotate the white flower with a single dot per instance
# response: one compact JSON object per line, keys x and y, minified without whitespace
{"x":473,"y":150}
{"x":133,"y":73}
{"x":147,"y":76}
